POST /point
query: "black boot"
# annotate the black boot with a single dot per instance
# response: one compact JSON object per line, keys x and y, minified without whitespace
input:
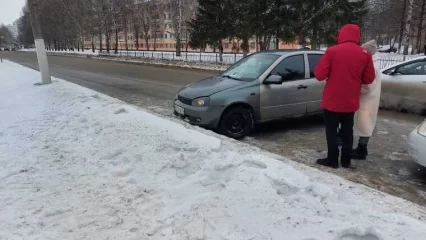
{"x":328,"y":163}
{"x":360,"y":153}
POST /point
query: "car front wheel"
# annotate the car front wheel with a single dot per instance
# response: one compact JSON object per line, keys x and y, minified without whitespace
{"x":236,"y":123}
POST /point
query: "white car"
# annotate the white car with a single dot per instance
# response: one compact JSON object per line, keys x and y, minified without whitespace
{"x":417,"y":144}
{"x":404,"y":86}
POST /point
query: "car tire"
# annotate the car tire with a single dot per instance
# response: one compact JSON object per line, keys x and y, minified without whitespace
{"x":236,"y":122}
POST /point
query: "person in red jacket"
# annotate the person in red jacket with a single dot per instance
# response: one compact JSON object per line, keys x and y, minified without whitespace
{"x":344,"y":67}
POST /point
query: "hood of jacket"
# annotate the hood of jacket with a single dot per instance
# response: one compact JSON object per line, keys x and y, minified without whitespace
{"x":349,"y":33}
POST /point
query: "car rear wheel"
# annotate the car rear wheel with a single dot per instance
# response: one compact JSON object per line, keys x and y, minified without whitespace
{"x":236,"y":123}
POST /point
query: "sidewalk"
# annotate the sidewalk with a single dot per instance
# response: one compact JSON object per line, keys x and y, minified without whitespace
{"x":76,"y":164}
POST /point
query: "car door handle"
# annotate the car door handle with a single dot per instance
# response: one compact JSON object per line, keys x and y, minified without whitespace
{"x":302,"y":87}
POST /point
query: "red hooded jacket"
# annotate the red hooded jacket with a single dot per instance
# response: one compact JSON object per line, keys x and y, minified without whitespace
{"x":345,"y":67}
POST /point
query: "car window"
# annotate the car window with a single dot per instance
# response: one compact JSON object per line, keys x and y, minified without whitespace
{"x":389,"y":71}
{"x":313,"y":62}
{"x":291,"y":68}
{"x":415,"y":68}
{"x":251,"y":67}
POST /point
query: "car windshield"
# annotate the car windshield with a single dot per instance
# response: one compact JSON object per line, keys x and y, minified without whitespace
{"x":251,"y":67}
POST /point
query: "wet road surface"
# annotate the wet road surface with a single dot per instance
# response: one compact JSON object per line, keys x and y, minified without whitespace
{"x":389,"y":167}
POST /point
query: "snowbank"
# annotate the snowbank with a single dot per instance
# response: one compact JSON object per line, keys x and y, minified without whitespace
{"x":76,"y":164}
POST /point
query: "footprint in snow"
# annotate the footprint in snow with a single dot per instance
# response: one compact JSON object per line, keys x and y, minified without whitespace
{"x":120,"y":111}
{"x":359,"y":237}
{"x":255,"y":164}
{"x":356,"y":234}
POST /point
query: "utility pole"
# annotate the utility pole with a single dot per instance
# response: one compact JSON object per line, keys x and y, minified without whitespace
{"x":39,"y":42}
{"x":1,"y":55}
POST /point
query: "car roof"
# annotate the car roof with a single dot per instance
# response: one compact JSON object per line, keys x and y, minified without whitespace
{"x":287,"y":51}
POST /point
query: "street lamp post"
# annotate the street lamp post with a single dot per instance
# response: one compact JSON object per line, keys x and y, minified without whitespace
{"x":39,"y":42}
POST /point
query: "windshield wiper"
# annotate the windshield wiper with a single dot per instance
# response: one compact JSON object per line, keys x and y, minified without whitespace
{"x":231,"y":77}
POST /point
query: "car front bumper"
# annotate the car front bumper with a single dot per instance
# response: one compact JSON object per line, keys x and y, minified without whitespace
{"x":208,"y":117}
{"x":417,"y":147}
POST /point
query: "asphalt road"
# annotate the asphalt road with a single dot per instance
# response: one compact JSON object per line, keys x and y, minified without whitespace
{"x":389,"y":167}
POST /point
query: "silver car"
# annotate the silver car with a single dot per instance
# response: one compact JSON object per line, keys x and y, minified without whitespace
{"x":417,"y":143}
{"x":404,"y":86}
{"x":259,"y":88}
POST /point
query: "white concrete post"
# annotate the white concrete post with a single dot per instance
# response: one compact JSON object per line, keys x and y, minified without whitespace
{"x":39,"y":42}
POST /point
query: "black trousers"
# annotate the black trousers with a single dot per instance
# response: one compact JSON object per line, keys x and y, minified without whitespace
{"x":332,"y":122}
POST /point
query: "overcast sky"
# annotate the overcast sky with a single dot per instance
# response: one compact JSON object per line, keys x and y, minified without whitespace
{"x":10,"y":10}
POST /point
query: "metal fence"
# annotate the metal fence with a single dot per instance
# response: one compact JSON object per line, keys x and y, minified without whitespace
{"x":227,"y":58}
{"x":386,"y":61}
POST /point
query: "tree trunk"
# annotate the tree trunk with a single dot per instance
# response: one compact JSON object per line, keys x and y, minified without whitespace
{"x":93,"y":44}
{"x":155,"y":42}
{"x":220,"y":51}
{"x":178,"y":46}
{"x":125,"y":38}
{"x":186,"y":40}
{"x":401,"y":27}
{"x":420,"y":27}
{"x":137,"y":39}
{"x":408,"y":26}
{"x":245,"y":46}
{"x":116,"y":41}
{"x":314,"y":39}
{"x":108,"y":41}
{"x":277,"y":43}
{"x":100,"y":42}
{"x":147,"y":43}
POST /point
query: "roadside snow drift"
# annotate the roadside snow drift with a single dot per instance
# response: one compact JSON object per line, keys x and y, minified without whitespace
{"x":76,"y":164}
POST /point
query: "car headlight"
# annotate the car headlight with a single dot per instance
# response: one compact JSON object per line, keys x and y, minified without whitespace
{"x":201,"y":102}
{"x":422,"y":129}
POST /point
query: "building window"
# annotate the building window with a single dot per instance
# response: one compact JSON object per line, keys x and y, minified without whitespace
{"x":252,"y":45}
{"x":226,"y":45}
{"x":165,"y":35}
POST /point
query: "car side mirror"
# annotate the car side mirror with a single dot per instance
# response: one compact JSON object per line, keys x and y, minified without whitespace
{"x":274,"y":79}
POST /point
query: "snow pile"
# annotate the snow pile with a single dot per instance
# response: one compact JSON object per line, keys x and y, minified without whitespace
{"x":169,"y":63}
{"x":76,"y":164}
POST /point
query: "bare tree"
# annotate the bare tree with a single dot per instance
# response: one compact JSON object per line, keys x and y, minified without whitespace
{"x":407,"y":29}
{"x":420,"y":26}
{"x":175,"y":8}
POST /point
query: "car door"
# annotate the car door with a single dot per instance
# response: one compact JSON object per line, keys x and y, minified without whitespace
{"x":314,"y":88}
{"x":404,"y":86}
{"x":288,"y":98}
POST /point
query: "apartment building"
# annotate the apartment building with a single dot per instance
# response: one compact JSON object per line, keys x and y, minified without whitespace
{"x":161,"y":36}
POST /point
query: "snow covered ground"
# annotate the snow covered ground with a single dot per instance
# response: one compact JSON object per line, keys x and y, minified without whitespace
{"x":76,"y":164}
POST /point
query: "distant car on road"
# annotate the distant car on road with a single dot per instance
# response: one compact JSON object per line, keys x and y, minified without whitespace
{"x":417,"y":144}
{"x":404,"y":86}
{"x":388,"y":49}
{"x":6,"y":49}
{"x":261,"y":87}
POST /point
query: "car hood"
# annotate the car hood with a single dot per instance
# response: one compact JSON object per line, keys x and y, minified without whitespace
{"x":209,"y":86}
